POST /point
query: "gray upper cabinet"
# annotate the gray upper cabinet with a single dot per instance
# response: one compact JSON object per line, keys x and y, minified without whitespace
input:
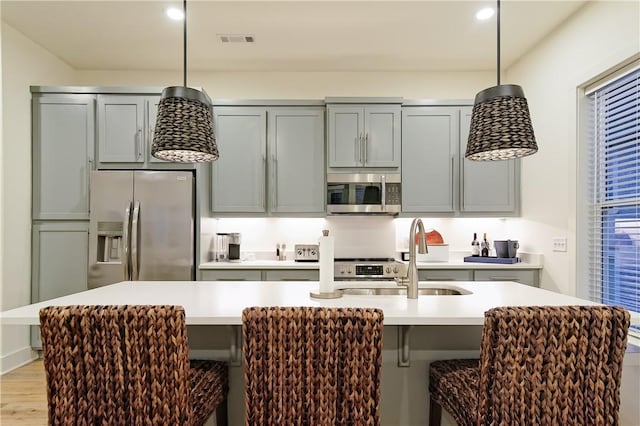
{"x":364,"y":135}
{"x":296,"y":148}
{"x":126,"y":125}
{"x":120,"y":129}
{"x":429,"y":159}
{"x":63,"y":143}
{"x":238,"y":176}
{"x":487,"y":186}
{"x":271,"y":160}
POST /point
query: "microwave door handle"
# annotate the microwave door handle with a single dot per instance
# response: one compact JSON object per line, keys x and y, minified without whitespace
{"x":135,"y":253}
{"x":383,"y":198}
{"x":125,"y":242}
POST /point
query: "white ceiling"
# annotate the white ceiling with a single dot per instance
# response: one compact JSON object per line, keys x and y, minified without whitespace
{"x":290,"y":35}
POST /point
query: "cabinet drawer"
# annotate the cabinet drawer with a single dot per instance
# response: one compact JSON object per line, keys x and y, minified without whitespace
{"x":292,"y":275}
{"x":445,"y":275}
{"x":528,"y":277}
{"x":231,"y":275}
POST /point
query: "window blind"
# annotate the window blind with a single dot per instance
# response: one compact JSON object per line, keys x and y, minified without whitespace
{"x":614,"y":182}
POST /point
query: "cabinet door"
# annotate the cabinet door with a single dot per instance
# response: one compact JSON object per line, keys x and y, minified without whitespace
{"x":429,"y":159}
{"x":346,"y":136}
{"x":59,"y":264}
{"x":238,"y":176}
{"x":523,"y":276}
{"x":382,"y":136}
{"x":487,"y":186}
{"x":445,"y":275}
{"x":121,"y":129}
{"x":63,"y":141}
{"x":231,"y":275}
{"x":292,"y":275}
{"x":296,"y":154}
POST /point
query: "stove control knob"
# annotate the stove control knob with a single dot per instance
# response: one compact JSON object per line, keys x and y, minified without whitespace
{"x":299,"y":252}
{"x":313,"y":252}
{"x":341,"y":271}
{"x":395,"y":270}
{"x":388,"y":270}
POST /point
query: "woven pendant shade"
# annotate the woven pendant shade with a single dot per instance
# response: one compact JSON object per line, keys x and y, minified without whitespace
{"x":500,"y":125}
{"x":184,"y":127}
{"x":500,"y":122}
{"x":184,"y":124}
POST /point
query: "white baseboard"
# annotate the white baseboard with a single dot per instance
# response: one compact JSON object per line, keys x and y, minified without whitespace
{"x":17,"y":359}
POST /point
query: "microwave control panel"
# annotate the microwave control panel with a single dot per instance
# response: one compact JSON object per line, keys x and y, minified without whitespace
{"x":393,"y":193}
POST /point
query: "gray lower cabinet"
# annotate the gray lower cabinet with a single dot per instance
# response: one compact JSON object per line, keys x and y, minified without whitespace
{"x":445,"y":275}
{"x":524,"y":276}
{"x":430,"y":159}
{"x":59,"y":262}
{"x":62,"y":154}
{"x":487,"y":186}
{"x":231,"y":275}
{"x":364,"y":136}
{"x":271,"y":160}
{"x":291,"y":274}
{"x":259,"y":275}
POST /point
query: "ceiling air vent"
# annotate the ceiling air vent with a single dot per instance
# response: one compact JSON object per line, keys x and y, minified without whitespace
{"x":236,"y":38}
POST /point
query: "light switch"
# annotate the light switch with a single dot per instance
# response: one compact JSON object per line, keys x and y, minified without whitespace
{"x":559,"y":243}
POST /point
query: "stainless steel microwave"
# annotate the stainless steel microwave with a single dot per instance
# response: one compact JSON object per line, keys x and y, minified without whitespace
{"x":364,"y":193}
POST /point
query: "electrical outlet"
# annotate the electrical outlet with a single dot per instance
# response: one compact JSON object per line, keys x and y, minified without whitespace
{"x":559,"y":243}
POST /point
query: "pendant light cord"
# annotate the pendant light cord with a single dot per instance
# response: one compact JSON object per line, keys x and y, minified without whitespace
{"x":498,"y":33}
{"x":184,"y":42}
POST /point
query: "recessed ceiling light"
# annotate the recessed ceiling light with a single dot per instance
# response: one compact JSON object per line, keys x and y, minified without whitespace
{"x":484,"y":14}
{"x":175,"y":13}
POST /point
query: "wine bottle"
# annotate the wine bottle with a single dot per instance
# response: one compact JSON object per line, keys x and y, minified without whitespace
{"x":485,"y":246}
{"x":475,"y":246}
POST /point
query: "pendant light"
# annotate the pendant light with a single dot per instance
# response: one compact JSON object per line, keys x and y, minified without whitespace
{"x":184,"y":125}
{"x":500,"y":123}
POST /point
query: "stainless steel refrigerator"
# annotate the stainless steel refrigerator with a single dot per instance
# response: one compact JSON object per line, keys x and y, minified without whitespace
{"x":141,"y":227}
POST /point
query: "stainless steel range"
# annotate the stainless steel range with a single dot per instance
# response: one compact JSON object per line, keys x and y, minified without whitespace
{"x":368,"y":269}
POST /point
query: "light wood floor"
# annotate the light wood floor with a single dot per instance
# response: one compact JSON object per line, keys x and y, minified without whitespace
{"x":23,"y":396}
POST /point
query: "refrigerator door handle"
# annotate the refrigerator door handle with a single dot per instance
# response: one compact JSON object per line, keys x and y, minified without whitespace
{"x":125,"y":242}
{"x":134,"y":241}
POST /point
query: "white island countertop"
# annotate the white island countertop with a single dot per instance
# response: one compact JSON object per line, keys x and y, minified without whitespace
{"x":221,"y":303}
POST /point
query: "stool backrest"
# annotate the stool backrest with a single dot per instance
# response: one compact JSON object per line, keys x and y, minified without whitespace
{"x":116,"y":365}
{"x":317,"y":366}
{"x":552,"y":365}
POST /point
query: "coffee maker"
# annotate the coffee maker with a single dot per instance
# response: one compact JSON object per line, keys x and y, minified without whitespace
{"x":227,"y":247}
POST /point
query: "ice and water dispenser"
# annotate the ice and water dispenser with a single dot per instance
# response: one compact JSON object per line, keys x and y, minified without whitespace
{"x":110,"y":243}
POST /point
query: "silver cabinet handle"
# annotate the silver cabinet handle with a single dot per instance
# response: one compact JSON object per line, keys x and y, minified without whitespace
{"x":504,"y":279}
{"x":139,"y":143}
{"x":358,"y":147}
{"x":274,"y":185}
{"x":439,"y":279}
{"x":264,"y":175}
{"x":366,"y":149}
{"x":135,"y":249}
{"x":452,"y":182}
{"x":125,"y":242}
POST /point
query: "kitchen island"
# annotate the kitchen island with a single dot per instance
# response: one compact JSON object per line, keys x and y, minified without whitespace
{"x":428,"y":328}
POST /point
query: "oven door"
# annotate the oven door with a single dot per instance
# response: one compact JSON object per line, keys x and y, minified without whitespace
{"x":363,"y":193}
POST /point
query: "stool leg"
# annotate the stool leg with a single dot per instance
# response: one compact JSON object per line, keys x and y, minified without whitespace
{"x":222,"y":416}
{"x":435,"y":412}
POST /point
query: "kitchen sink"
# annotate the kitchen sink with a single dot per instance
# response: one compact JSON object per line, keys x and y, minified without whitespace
{"x":402,"y":291}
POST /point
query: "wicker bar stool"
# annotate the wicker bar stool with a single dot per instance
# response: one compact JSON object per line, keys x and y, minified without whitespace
{"x":312,"y":366}
{"x":538,"y":366}
{"x":127,"y":365}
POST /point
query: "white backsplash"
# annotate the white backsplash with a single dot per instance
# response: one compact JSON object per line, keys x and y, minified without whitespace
{"x":355,"y":236}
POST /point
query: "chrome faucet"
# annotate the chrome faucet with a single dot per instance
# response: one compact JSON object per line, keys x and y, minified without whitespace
{"x":412,"y":270}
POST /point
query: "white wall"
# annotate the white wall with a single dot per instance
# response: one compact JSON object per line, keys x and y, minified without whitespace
{"x":24,"y":63}
{"x":600,"y":36}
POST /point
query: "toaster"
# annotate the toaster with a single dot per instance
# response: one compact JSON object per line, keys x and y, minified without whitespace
{"x":306,"y":252}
